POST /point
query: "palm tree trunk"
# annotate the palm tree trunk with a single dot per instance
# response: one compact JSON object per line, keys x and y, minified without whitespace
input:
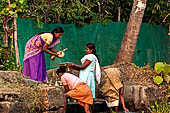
{"x":128,"y":45}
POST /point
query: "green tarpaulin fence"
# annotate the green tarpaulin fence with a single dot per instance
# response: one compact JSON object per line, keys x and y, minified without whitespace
{"x":153,"y":43}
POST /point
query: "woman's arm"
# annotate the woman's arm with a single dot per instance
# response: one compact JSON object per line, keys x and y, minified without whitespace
{"x":81,"y":67}
{"x":122,"y":99}
{"x":65,"y":97}
{"x":53,"y":50}
{"x":66,"y":88}
{"x":65,"y":102}
{"x":47,"y":51}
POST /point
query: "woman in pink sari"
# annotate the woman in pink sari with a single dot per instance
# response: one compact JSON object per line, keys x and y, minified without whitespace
{"x":34,"y":60}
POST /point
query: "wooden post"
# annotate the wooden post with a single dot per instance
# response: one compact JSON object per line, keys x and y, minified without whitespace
{"x":16,"y":42}
{"x":100,"y":11}
{"x":119,"y":14}
{"x":169,"y":30}
{"x":12,"y":42}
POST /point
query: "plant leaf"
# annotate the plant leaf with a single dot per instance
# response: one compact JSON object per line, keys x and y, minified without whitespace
{"x":158,"y":80}
{"x":159,"y":67}
{"x":167,"y":78}
{"x":167,"y":69}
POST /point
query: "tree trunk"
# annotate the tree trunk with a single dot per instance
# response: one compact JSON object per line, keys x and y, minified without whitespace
{"x":128,"y":45}
{"x":58,"y":19}
{"x":16,"y":42}
{"x":46,"y":16}
{"x":6,"y":29}
{"x":47,"y":12}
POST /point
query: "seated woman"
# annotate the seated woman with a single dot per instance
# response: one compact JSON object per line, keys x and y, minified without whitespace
{"x":76,"y":89}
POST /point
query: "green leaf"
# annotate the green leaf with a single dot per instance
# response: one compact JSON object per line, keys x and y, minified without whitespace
{"x":21,"y":1}
{"x":167,"y":69}
{"x":158,"y":80}
{"x":13,"y":5}
{"x":157,"y":6}
{"x":98,"y":3}
{"x":153,"y":11}
{"x":159,"y":67}
{"x":167,"y":78}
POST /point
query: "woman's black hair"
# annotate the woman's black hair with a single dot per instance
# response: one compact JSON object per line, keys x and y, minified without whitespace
{"x":56,"y":30}
{"x":92,"y":47}
{"x":61,"y":70}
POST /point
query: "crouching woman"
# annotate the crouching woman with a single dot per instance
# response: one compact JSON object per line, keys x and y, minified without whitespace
{"x":76,"y":89}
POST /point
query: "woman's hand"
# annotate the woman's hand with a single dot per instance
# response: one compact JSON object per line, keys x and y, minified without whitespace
{"x":60,"y":54}
{"x":56,"y":55}
{"x":125,"y":109}
{"x":79,"y":67}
